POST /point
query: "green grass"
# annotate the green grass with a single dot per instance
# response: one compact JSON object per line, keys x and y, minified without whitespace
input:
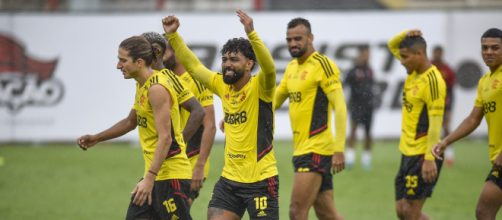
{"x":63,"y":182}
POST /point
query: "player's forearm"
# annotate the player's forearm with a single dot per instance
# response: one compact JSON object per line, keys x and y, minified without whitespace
{"x":194,"y":119}
{"x":467,"y":126}
{"x":264,"y":59}
{"x":340,"y":119}
{"x":120,"y":128}
{"x":188,"y":59}
{"x":433,"y":134}
{"x":160,"y":153}
{"x":393,"y":44}
{"x":280,"y":97}
{"x":207,"y":136}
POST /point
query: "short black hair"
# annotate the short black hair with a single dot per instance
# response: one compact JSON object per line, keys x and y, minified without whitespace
{"x":300,"y":21}
{"x":242,"y":45}
{"x":492,"y":33}
{"x":414,"y":43}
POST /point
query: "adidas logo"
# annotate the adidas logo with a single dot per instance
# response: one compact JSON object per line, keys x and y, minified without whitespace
{"x":175,"y":217}
{"x":410,"y":192}
{"x":261,"y":214}
{"x":495,"y":173}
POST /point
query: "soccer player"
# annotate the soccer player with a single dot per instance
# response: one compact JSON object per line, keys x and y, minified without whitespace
{"x":449,"y":78}
{"x":198,"y":137}
{"x":249,"y":180}
{"x":163,"y":190}
{"x":422,"y":115}
{"x":487,"y":104}
{"x":199,"y":146}
{"x":183,"y":94}
{"x":312,"y":83}
{"x":360,"y":81}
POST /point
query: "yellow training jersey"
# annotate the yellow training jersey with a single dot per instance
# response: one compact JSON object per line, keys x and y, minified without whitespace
{"x":181,"y":92}
{"x":249,"y":155}
{"x":205,"y":97}
{"x":176,"y":164}
{"x":423,"y":96}
{"x":489,"y":96}
{"x":306,"y":85}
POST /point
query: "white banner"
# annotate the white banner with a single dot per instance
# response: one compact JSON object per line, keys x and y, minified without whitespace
{"x":58,"y":76}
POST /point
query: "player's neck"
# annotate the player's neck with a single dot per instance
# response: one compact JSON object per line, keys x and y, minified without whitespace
{"x":179,"y":69}
{"x":143,"y":76}
{"x":306,"y":55}
{"x":237,"y":86}
{"x":424,"y":67}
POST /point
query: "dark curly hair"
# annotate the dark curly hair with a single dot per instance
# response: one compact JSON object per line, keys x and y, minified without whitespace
{"x":242,"y":45}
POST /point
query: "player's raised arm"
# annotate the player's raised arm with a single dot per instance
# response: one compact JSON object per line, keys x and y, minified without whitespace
{"x":184,"y":54}
{"x":263,"y":56}
{"x":393,"y":43}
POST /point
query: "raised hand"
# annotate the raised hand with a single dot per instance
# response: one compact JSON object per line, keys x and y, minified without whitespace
{"x":170,"y":24}
{"x":414,"y":33}
{"x":245,"y":20}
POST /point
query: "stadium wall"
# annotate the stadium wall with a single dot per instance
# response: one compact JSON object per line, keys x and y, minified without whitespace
{"x":58,"y":76}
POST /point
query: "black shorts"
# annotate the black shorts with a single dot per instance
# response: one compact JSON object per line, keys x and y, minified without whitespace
{"x":409,"y":183}
{"x":261,"y":199}
{"x":169,"y":201}
{"x":361,"y":114}
{"x":495,"y":176}
{"x":316,"y":163}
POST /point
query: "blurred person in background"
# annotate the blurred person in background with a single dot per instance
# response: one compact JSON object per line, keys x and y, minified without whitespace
{"x":312,"y":83}
{"x":424,"y":94}
{"x":449,"y":78}
{"x":200,"y":143}
{"x":487,"y":104}
{"x":249,"y":180}
{"x":360,"y":81}
{"x":162,"y":192}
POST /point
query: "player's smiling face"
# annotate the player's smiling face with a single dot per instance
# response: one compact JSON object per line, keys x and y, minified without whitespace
{"x":298,"y":39}
{"x":234,"y":66}
{"x":126,"y":64}
{"x":408,"y":59}
{"x":491,"y":51}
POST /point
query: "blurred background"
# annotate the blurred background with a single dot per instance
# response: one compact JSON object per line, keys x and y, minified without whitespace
{"x":229,"y":5}
{"x":57,"y":67}
{"x":58,"y":80}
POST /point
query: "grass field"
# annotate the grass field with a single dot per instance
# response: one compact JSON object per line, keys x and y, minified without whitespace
{"x":63,"y":182}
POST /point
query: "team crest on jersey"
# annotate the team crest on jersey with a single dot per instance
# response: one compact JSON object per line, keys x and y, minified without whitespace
{"x":243,"y":96}
{"x":303,"y":75}
{"x":414,"y":90}
{"x":495,"y":84}
{"x":142,"y":100}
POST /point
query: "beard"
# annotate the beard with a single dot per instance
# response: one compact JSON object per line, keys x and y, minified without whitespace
{"x":298,"y":53}
{"x":233,"y":78}
{"x":170,"y":63}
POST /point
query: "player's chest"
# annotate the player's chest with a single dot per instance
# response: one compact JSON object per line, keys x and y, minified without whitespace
{"x":233,"y":100}
{"x":414,"y":88}
{"x":492,"y":88}
{"x":301,"y":78}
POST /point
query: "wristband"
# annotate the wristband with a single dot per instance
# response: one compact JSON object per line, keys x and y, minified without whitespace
{"x":153,"y":173}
